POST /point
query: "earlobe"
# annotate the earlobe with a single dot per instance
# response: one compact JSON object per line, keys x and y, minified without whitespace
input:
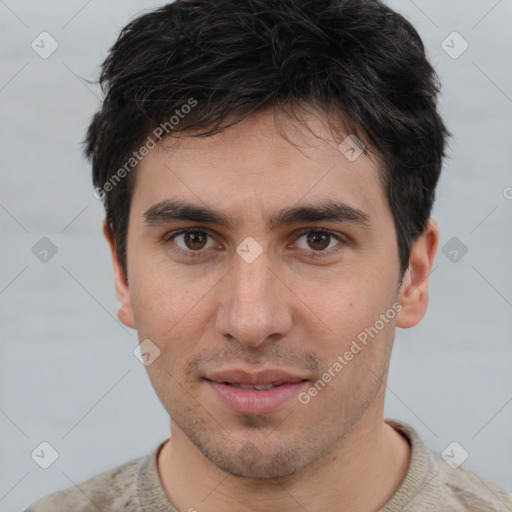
{"x":125,"y":310}
{"x":413,"y":295}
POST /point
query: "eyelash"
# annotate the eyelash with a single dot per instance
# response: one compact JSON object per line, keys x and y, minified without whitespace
{"x":313,"y":254}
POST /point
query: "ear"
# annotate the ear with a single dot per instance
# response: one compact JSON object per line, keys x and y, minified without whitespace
{"x":413,"y":295}
{"x":125,"y":311}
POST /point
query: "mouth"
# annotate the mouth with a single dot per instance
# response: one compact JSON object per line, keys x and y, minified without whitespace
{"x":255,"y":387}
{"x":255,"y":393}
{"x":254,"y":379}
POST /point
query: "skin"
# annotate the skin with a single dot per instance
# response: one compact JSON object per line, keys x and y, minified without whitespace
{"x":284,"y":310}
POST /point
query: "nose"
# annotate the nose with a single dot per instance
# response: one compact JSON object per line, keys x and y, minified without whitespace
{"x":255,"y":305}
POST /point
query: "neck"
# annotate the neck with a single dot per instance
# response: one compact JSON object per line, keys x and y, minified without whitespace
{"x":362,"y":473}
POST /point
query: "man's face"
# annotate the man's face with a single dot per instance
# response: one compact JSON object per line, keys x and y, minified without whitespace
{"x":290,"y":298}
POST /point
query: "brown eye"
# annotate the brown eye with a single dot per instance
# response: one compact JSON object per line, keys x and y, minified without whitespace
{"x":318,"y":241}
{"x":195,"y":240}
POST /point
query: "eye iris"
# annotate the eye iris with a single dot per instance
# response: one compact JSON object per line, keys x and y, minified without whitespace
{"x":318,"y":238}
{"x":191,"y":239}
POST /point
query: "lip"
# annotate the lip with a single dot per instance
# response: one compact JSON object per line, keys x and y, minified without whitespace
{"x":269,"y":376}
{"x":248,"y":401}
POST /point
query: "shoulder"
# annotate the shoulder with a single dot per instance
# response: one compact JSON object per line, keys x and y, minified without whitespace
{"x":115,"y":489}
{"x":466,"y":489}
{"x":433,"y":483}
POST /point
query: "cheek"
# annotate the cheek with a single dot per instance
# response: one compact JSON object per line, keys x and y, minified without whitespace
{"x":352,"y":303}
{"x":164,"y":297}
{"x":356,"y":351}
{"x":174,"y":314}
{"x":349,"y":312}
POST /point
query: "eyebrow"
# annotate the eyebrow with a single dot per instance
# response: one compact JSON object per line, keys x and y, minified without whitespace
{"x":173,"y":210}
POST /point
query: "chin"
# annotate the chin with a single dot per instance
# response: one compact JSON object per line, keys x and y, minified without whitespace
{"x":259,"y":460}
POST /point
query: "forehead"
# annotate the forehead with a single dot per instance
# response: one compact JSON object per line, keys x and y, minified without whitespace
{"x":261,"y":162}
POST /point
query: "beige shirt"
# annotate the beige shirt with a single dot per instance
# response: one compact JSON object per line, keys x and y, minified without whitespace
{"x":430,"y":485}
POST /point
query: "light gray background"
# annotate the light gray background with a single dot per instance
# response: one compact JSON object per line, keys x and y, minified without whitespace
{"x":68,"y":375}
